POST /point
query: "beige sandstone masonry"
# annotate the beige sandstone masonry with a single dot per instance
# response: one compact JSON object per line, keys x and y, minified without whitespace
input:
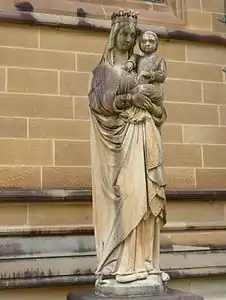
{"x":44,"y":138}
{"x":44,"y":118}
{"x":44,"y":121}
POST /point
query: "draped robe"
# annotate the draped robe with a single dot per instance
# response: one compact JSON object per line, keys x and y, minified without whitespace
{"x":127,"y":177}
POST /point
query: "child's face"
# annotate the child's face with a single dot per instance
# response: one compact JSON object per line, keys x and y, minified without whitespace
{"x":147,"y":43}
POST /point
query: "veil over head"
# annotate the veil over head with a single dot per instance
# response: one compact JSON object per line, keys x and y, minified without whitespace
{"x":104,"y":81}
{"x":108,"y":52}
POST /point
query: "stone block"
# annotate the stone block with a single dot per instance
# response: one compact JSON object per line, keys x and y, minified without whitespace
{"x":13,"y":127}
{"x":81,"y":108}
{"x":59,"y":129}
{"x":28,"y":58}
{"x":222,"y":115}
{"x":214,"y":92}
{"x":218,"y":26}
{"x":87,"y":62}
{"x":172,"y":50}
{"x":204,"y":134}
{"x":214,"y":155}
{"x":194,"y":71}
{"x":193,"y":5}
{"x":72,"y":83}
{"x":185,"y":113}
{"x":32,"y":81}
{"x":180,"y":178}
{"x":17,"y":177}
{"x":172,"y":133}
{"x":72,"y":153}
{"x":195,"y":211}
{"x":179,"y":155}
{"x":199,"y":20}
{"x":37,"y":106}
{"x":210,"y":178}
{"x":212,"y":6}
{"x":18,"y":36}
{"x":26,"y":152}
{"x":72,"y":40}
{"x":183,"y":91}
{"x":13,"y":214}
{"x":203,"y":53}
{"x":60,"y":214}
{"x":66,"y":177}
{"x":2,"y":79}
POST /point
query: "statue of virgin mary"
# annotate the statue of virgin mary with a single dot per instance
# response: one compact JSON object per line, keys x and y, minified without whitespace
{"x":127,"y":163}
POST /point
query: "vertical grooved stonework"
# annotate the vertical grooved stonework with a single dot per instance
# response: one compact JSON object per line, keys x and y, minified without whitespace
{"x":28,"y":121}
{"x":195,"y":180}
{"x":202,"y":91}
{"x":202,"y":156}
{"x":76,"y":61}
{"x":41,"y":177}
{"x":54,"y":155}
{"x":219,"y":114}
{"x":182,"y":133}
{"x":6,"y":79}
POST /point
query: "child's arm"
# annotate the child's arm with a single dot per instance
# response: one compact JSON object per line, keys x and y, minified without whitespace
{"x":160,"y":74}
{"x":131,"y":63}
{"x":145,"y":77}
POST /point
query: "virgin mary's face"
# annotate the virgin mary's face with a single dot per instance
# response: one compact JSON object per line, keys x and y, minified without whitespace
{"x":126,"y":38}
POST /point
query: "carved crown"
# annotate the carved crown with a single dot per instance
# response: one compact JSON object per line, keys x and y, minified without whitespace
{"x":124,"y":16}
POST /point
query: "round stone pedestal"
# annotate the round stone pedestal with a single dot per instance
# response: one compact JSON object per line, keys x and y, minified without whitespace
{"x":152,"y":286}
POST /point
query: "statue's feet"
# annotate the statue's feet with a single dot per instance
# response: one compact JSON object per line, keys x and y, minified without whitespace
{"x":154,"y":271}
{"x":142,"y":275}
{"x":131,"y":277}
{"x":165,"y":277}
{"x":126,"y":278}
{"x":106,"y":271}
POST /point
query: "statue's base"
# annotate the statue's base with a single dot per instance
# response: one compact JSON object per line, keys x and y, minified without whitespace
{"x":151,"y":286}
{"x":166,"y":295}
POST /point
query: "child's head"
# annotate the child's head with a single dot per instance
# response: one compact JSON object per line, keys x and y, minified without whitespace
{"x":148,"y":42}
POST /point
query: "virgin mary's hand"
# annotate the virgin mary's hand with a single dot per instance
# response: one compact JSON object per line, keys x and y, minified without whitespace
{"x":139,"y":100}
{"x":123,"y":101}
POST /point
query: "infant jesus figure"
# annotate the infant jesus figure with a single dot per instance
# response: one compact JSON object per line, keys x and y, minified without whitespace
{"x":151,"y":73}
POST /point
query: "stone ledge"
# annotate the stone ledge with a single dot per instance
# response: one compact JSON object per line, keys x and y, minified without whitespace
{"x":34,"y":277}
{"x":52,"y":241}
{"x":59,"y":21}
{"x":158,"y":13}
{"x":68,"y":230}
{"x":73,"y":195}
{"x":32,"y":261}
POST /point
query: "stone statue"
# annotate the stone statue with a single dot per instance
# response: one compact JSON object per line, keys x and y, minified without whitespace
{"x":127,"y":111}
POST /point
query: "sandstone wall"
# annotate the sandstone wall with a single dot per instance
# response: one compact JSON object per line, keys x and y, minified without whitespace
{"x":44,"y":137}
{"x":44,"y":121}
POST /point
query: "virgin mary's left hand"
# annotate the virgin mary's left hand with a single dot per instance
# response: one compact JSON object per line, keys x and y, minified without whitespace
{"x":139,"y":101}
{"x":123,"y":101}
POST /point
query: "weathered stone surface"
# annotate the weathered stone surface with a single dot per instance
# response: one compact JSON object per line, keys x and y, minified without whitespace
{"x":152,"y":286}
{"x":168,"y":295}
{"x":127,"y":231}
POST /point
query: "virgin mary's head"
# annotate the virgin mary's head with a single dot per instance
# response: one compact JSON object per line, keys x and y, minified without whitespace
{"x":122,"y":36}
